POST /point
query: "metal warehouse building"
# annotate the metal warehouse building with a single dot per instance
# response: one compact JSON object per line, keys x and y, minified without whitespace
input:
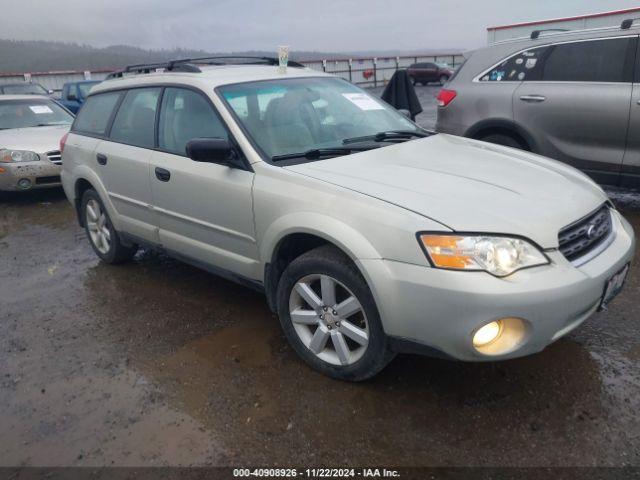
{"x":594,"y":20}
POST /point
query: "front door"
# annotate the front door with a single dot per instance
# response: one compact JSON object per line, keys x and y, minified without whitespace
{"x":204,"y":210}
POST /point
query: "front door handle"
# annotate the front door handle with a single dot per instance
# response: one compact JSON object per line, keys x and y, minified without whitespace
{"x":533,"y":98}
{"x":162,"y":174}
{"x":101,"y":158}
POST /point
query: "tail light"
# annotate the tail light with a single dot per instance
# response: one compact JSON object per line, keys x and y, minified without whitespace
{"x":445,"y":97}
{"x":63,"y":141}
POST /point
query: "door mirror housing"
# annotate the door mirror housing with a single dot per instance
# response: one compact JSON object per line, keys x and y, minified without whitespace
{"x":213,"y":150}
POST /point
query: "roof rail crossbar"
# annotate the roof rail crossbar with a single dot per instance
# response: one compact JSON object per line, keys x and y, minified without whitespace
{"x":151,"y":67}
{"x":536,"y":33}
{"x":224,"y":60}
{"x":190,"y":64}
{"x":627,"y":23}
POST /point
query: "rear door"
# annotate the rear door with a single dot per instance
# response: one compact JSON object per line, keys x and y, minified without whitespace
{"x":205,"y":210}
{"x":430,"y":72}
{"x":122,"y":161}
{"x":574,"y":101}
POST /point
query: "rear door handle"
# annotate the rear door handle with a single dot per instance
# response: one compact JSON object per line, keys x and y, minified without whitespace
{"x":162,"y":174}
{"x":533,"y":98}
{"x":101,"y":158}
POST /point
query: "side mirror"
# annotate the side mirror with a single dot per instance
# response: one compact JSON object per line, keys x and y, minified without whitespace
{"x":213,"y":150}
{"x":50,"y":92}
{"x":72,"y":97}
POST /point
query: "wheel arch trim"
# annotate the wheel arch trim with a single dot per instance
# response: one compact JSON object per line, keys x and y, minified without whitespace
{"x":503,"y":124}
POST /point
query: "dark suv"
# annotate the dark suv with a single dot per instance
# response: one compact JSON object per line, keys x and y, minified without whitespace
{"x":429,"y":72}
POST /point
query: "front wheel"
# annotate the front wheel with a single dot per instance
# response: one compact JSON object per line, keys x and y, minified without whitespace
{"x":103,"y":238}
{"x":330,"y":317}
{"x":443,"y":79}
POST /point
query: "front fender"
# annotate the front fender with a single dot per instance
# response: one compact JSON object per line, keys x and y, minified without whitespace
{"x":349,"y":240}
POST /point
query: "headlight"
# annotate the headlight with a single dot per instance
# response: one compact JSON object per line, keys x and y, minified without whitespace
{"x":500,"y":256}
{"x":11,"y":156}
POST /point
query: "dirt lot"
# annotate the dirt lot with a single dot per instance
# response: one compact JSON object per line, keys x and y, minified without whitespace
{"x":157,"y":363}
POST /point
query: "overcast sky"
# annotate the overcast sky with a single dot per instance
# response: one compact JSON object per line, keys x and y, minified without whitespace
{"x":322,"y":25}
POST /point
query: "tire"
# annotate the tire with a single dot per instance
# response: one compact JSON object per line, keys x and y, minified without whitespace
{"x":414,"y":81}
{"x":443,"y":79}
{"x":503,"y":139}
{"x":362,"y":361}
{"x":99,"y":229}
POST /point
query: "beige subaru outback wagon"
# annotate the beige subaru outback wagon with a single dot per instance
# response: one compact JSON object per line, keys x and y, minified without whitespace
{"x":368,"y":235}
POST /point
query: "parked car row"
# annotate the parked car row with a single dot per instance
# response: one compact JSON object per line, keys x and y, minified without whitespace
{"x":31,"y":126}
{"x":368,"y":235}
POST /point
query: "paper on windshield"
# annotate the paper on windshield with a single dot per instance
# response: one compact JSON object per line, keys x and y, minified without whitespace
{"x":363,"y":101}
{"x":38,"y":109}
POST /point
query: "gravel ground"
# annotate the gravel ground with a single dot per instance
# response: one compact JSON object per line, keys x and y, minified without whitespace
{"x":158,"y":363}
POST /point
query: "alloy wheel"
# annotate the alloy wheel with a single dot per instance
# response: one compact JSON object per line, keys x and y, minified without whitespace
{"x":98,"y":226}
{"x":329,"y":319}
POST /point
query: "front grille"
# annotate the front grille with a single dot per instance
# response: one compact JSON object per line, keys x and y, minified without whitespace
{"x":55,"y":157}
{"x":585,"y":235}
{"x":45,"y":180}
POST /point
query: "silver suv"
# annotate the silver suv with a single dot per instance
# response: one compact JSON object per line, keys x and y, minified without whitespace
{"x":572,"y":96}
{"x":368,"y":235}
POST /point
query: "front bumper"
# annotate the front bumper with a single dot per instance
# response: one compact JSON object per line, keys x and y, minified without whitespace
{"x":41,"y":174}
{"x":441,"y":309}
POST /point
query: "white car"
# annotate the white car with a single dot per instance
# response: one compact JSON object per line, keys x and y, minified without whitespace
{"x":31,"y":127}
{"x":368,"y":235}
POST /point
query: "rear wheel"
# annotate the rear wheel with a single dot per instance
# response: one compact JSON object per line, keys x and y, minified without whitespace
{"x":504,"y":139}
{"x":102,"y":236}
{"x":329,"y":316}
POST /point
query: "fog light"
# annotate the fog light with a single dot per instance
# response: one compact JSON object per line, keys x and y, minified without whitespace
{"x":487,"y":334}
{"x":24,"y":183}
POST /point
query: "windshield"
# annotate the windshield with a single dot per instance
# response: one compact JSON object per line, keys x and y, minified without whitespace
{"x":85,"y":87}
{"x":24,"y":89}
{"x":32,"y":113}
{"x":301,"y":114}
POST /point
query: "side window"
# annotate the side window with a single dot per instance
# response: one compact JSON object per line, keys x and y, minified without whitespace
{"x":518,"y":68}
{"x":135,"y":121}
{"x":94,"y":116}
{"x":590,"y":61}
{"x":186,"y":115}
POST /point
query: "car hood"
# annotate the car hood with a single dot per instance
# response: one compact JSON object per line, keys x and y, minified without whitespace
{"x":37,"y":139}
{"x":468,"y":186}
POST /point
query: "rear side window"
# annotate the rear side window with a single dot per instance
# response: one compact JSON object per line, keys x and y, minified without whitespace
{"x":519,"y":68}
{"x":94,"y":115}
{"x":135,"y":121}
{"x":591,"y":61}
{"x":186,"y":115}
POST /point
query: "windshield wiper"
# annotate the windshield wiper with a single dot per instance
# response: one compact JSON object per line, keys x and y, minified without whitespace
{"x":316,"y":153}
{"x":389,"y":135}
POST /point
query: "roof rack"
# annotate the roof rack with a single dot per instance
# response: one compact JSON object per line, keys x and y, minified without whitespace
{"x":190,"y":65}
{"x":626,"y":24}
{"x":536,"y":33}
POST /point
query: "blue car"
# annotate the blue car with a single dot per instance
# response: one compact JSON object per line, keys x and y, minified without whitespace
{"x":74,"y":94}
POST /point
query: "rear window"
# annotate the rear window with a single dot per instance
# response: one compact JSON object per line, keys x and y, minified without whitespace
{"x":592,"y":61}
{"x":94,"y":115}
